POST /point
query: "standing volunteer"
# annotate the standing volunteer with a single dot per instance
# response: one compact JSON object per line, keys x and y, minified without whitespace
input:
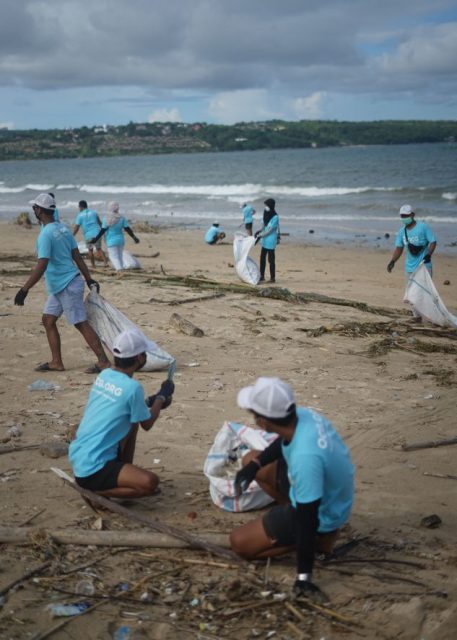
{"x":114,"y":225}
{"x":91,"y":225}
{"x":62,"y":265}
{"x":248,"y":219}
{"x":307,"y":470}
{"x":102,"y":452}
{"x":269,"y":235}
{"x":420,"y":243}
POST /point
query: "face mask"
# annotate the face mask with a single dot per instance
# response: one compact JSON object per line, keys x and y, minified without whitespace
{"x":407,"y":221}
{"x":267,"y":209}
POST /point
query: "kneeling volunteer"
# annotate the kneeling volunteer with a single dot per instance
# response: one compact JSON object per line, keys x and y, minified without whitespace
{"x":307,"y":470}
{"x":102,"y":452}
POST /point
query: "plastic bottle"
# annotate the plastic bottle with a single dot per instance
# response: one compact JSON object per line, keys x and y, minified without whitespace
{"x":43,"y":385}
{"x":85,"y":588}
{"x":64,"y":610}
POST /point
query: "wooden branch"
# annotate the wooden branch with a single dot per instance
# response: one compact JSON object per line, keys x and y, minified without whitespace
{"x":152,"y":523}
{"x":24,"y":536}
{"x":440,"y":475}
{"x":198,"y":299}
{"x":11,"y":448}
{"x":185,"y":326}
{"x":28,"y":574}
{"x":429,"y":445}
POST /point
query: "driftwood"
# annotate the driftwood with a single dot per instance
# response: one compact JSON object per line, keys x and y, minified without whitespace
{"x":154,"y":524}
{"x":429,"y":445}
{"x":24,"y":536}
{"x":185,"y":326}
{"x":448,"y":476}
{"x":12,"y":448}
{"x":198,"y":299}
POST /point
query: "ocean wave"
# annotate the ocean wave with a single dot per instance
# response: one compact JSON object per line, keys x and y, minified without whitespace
{"x":449,"y":196}
{"x":68,"y":187}
{"x":39,"y":187}
{"x":11,"y":189}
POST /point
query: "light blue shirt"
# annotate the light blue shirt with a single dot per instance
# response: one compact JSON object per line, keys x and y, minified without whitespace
{"x":115,"y":234}
{"x":56,"y":243}
{"x":211,"y":234}
{"x":269,"y":235}
{"x":115,"y":402}
{"x":248,"y":212}
{"x":88,"y":221}
{"x":420,"y":234}
{"x":319,"y":467}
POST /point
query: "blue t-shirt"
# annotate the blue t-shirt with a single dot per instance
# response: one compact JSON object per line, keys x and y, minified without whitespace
{"x":115,"y":234}
{"x":272,"y":229}
{"x":420,"y":235}
{"x":56,"y":243}
{"x":115,"y":402}
{"x":211,"y":234}
{"x":248,"y":212}
{"x":319,"y":467}
{"x":88,"y":221}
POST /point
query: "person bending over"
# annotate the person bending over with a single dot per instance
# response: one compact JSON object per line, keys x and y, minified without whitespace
{"x":307,"y":470}
{"x":214,"y":234}
{"x":102,"y":452}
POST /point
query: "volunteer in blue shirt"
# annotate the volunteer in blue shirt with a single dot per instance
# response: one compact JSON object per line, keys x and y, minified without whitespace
{"x":307,"y":470}
{"x":62,"y":265}
{"x":248,"y":219}
{"x":102,"y":452}
{"x":269,"y":235}
{"x":420,"y":243}
{"x":114,"y":224}
{"x":214,"y":234}
{"x":91,"y":225}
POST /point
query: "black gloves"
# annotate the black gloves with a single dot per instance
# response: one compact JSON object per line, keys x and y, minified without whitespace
{"x":427,"y":258}
{"x":245,"y":476}
{"x":257,"y":239}
{"x":91,"y":241}
{"x":20,"y":297}
{"x":256,"y":234}
{"x":309,"y":590}
{"x":93,"y":283}
{"x":391,"y":265}
{"x":166,"y":393}
{"x":136,"y":240}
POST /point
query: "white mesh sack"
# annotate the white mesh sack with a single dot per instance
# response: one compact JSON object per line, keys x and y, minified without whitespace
{"x":245,"y":266}
{"x":108,"y":322}
{"x":422,"y":294}
{"x":223,"y":461}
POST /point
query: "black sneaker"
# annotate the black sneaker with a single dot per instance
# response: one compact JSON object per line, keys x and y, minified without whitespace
{"x":272,"y":280}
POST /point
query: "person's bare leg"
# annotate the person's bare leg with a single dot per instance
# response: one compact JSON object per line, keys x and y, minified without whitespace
{"x":133,"y":482}
{"x":94,"y":343}
{"x":102,"y":256}
{"x":53,"y":336}
{"x":250,"y":541}
{"x":127,"y":446}
{"x":266,"y":478}
{"x":92,"y":258}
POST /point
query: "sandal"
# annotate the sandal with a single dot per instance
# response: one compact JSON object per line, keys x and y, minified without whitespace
{"x":45,"y":367}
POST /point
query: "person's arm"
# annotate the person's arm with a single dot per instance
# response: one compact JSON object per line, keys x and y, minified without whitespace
{"x":396,"y":254}
{"x":36,"y":275}
{"x":98,"y":236}
{"x":84,"y":270}
{"x":430,"y":249}
{"x":155,"y":410}
{"x":307,"y":526}
{"x":75,"y":229}
{"x":132,"y":235}
{"x":247,"y":474}
{"x":270,"y":228}
{"x":157,"y":402}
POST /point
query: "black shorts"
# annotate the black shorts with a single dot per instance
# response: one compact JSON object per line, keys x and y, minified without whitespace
{"x":280,"y":525}
{"x":103,"y":479}
{"x":248,"y":226}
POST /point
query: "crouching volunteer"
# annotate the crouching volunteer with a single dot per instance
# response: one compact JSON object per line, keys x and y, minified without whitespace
{"x":307,"y":470}
{"x":102,"y":452}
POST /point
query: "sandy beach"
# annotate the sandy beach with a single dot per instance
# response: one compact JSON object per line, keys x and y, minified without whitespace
{"x":382,"y":382}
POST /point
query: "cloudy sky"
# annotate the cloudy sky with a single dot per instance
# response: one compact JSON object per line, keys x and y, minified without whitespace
{"x":88,"y":62}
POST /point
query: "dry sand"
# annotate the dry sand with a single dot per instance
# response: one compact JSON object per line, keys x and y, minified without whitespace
{"x":377,"y":402}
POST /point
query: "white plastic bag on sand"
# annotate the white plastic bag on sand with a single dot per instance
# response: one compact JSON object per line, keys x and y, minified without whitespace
{"x":83,"y":248}
{"x":129,"y":261}
{"x":108,"y":322}
{"x":422,"y":294}
{"x":224,"y":460}
{"x":245,"y":266}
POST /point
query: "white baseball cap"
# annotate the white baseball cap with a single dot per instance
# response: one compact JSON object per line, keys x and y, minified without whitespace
{"x":406,"y":210}
{"x":129,"y":344}
{"x":269,"y":397}
{"x":45,"y":201}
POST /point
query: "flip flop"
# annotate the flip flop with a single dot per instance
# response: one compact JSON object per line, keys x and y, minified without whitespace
{"x":45,"y":367}
{"x":94,"y":369}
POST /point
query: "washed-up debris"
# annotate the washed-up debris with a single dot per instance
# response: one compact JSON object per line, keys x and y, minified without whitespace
{"x":431,"y":522}
{"x":14,"y":432}
{"x":53,"y":449}
{"x":44,"y":385}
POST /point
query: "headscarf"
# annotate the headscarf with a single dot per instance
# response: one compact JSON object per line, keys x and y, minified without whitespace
{"x":113,"y":214}
{"x":268,"y":215}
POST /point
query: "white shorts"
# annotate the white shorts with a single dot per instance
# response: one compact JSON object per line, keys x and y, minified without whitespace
{"x":69,"y":301}
{"x":115,"y":256}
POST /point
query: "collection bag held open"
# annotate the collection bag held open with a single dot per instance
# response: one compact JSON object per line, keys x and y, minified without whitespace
{"x":245,"y":266}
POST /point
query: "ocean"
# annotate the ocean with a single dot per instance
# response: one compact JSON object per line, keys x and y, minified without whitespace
{"x":347,"y":195}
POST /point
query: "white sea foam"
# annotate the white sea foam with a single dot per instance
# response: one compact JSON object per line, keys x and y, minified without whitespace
{"x":11,"y":189}
{"x":68,"y":187}
{"x":39,"y":187}
{"x":449,"y":196}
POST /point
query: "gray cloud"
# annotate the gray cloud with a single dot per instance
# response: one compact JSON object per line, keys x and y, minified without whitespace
{"x":207,"y":46}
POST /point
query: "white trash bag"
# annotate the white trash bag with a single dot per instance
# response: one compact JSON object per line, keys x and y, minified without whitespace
{"x":83,"y":248}
{"x":129,"y":261}
{"x":422,"y":294}
{"x":232,"y":442}
{"x":108,"y":322}
{"x":245,"y":266}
